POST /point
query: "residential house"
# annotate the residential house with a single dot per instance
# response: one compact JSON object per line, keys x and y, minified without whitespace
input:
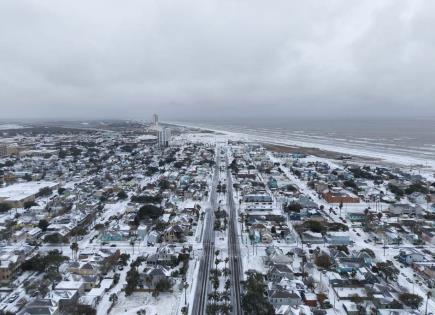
{"x":154,"y":275}
{"x":280,"y":297}
{"x":9,"y":264}
{"x":113,"y":236}
{"x":266,"y":237}
{"x":165,"y":255}
{"x":418,"y":198}
{"x":410,"y":256}
{"x":272,"y":183}
{"x":40,"y":307}
{"x":428,"y":234}
{"x":153,"y":238}
{"x":173,"y":233}
{"x":277,"y":272}
{"x":404,"y":208}
{"x":349,"y":264}
{"x":320,"y":187}
{"x":258,"y":202}
{"x":275,"y":255}
{"x":339,"y":195}
{"x":338,"y":238}
{"x":312,"y":237}
{"x":356,"y":216}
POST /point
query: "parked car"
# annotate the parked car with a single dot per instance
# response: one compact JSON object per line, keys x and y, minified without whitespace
{"x":12,"y":298}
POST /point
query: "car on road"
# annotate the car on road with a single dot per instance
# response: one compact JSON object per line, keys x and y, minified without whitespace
{"x":12,"y":298}
{"x":112,"y":245}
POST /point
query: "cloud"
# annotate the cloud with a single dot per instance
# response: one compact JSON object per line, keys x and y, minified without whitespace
{"x":216,"y":59}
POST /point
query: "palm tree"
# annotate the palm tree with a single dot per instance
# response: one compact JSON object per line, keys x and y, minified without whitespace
{"x":379,"y":215}
{"x":75,"y":248}
{"x":242,"y":215}
{"x":227,"y":284}
{"x":217,"y":262}
{"x":215,"y":296}
{"x":132,"y":241}
{"x":366,"y":217}
{"x":226,"y":309}
{"x":225,"y":297}
{"x":113,"y":298}
{"x":226,"y":272}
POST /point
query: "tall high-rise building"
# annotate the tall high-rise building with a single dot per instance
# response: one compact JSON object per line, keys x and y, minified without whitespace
{"x":3,"y":149}
{"x":155,"y":120}
{"x":164,"y":136}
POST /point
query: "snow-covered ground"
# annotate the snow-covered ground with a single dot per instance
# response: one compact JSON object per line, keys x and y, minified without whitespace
{"x":11,"y":126}
{"x":165,"y":303}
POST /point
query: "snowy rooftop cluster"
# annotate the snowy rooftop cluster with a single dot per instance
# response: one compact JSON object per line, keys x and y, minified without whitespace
{"x":116,"y":219}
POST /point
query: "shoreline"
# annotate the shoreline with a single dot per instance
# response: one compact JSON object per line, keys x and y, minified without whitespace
{"x":316,"y":152}
{"x":356,"y":154}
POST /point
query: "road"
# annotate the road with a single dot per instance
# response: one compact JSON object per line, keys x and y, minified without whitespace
{"x":206,"y":262}
{"x":234,"y":248}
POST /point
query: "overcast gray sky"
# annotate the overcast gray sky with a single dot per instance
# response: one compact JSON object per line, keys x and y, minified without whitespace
{"x":216,"y":59}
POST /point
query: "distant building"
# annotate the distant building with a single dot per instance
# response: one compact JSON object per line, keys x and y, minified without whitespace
{"x":428,"y":234}
{"x":338,"y":238}
{"x":8,"y":149}
{"x":16,"y":195}
{"x":356,"y":216}
{"x":409,"y":256}
{"x":164,"y":136}
{"x":3,"y":149}
{"x":405,"y":209}
{"x":155,"y":120}
{"x":339,"y":195}
{"x":39,"y":153}
{"x":272,"y":183}
{"x":8,"y":266}
{"x":258,"y":202}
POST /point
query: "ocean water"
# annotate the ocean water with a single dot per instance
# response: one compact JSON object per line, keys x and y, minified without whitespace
{"x":412,"y":138}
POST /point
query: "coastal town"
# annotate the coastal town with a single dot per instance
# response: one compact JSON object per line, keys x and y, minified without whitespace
{"x":126,"y":217}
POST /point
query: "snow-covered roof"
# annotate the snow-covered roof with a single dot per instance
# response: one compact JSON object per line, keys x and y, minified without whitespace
{"x":23,"y":190}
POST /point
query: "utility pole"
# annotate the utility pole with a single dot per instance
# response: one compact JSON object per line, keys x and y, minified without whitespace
{"x":428,"y":295}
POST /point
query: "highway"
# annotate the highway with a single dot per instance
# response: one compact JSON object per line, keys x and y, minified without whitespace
{"x":234,"y":248}
{"x":206,"y":262}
